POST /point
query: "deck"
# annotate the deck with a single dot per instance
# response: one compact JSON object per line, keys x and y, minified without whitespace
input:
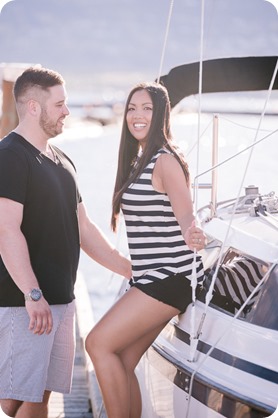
{"x":77,"y":404}
{"x":84,"y":401}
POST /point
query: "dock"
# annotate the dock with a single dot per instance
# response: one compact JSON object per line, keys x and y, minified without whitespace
{"x":85,"y":399}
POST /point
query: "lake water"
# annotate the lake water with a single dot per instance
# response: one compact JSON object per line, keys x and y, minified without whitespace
{"x":94,"y":150}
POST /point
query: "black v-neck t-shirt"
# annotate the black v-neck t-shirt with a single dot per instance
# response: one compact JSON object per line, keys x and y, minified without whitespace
{"x":49,"y":194}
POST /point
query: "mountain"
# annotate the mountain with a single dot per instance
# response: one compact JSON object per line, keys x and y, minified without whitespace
{"x":98,"y":43}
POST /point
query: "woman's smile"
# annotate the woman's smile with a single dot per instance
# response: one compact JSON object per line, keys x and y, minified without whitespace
{"x":139,"y":115}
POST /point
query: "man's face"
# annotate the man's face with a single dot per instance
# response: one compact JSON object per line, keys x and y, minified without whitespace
{"x":54,"y":111}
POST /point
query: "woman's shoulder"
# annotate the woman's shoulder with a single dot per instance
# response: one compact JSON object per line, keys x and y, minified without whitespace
{"x":165,"y":160}
{"x":165,"y":154}
{"x":162,"y":152}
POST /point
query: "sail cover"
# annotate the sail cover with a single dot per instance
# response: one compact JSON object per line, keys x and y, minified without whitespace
{"x":220,"y":75}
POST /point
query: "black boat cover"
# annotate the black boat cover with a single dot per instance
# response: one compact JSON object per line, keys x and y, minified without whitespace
{"x":220,"y":75}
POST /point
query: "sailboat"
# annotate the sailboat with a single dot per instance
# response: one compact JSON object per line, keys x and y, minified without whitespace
{"x":219,"y":358}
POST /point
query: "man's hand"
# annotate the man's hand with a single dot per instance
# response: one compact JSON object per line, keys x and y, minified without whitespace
{"x":40,"y":316}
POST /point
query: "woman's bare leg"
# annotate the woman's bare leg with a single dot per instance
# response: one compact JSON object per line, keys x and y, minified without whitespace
{"x":131,"y":324}
{"x":130,"y":358}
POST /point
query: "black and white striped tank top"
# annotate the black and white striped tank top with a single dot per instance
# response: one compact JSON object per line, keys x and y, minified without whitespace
{"x":156,"y":245}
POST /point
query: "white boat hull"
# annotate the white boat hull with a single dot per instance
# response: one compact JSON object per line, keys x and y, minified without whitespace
{"x":229,"y":367}
{"x":234,"y":381}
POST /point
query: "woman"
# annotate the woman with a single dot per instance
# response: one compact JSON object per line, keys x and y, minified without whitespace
{"x":152,"y":190}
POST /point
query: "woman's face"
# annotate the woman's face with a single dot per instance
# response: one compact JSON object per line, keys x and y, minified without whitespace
{"x":139,"y":115}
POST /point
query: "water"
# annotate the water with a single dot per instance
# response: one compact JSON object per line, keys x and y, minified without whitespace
{"x":94,"y":149}
{"x":126,"y":37}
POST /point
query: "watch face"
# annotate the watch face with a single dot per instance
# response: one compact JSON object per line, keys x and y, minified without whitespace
{"x":36,"y":294}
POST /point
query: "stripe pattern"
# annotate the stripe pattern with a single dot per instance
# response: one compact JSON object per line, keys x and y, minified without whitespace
{"x":237,"y":279}
{"x":157,"y":247}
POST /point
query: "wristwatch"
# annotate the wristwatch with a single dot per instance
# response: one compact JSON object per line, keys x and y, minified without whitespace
{"x":34,"y":295}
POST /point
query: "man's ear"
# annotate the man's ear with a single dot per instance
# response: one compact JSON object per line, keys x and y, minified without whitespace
{"x":33,"y":107}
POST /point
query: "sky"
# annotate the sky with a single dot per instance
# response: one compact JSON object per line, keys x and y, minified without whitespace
{"x":115,"y":42}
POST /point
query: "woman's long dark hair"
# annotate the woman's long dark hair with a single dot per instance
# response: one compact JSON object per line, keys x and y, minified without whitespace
{"x":159,"y":136}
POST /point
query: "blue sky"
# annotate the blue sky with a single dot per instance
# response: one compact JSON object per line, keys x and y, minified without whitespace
{"x":101,"y":39}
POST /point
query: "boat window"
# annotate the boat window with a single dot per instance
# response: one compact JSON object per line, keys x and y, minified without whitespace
{"x":237,"y":278}
{"x":265,"y":310}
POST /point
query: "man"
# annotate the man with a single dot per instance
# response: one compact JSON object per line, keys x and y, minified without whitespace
{"x":43,"y":224}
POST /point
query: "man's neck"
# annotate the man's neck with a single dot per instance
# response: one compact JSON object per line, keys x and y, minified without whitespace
{"x":35,"y":138}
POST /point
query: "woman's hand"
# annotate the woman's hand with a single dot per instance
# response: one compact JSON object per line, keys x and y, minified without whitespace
{"x":195,"y":237}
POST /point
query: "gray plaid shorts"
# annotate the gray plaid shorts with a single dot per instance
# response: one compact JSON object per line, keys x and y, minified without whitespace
{"x":31,"y":363}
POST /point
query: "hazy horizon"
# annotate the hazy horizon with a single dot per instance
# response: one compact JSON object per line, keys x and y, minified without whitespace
{"x":98,"y":44}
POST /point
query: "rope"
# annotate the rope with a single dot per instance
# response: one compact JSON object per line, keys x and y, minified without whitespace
{"x":165,"y":40}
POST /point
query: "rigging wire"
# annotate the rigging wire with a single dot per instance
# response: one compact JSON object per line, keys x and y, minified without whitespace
{"x":209,"y":294}
{"x":196,"y":142}
{"x":193,"y":339}
{"x":165,"y":40}
{"x":253,"y":145}
{"x":227,"y":329}
{"x":158,"y":79}
{"x":243,"y":126}
{"x":200,"y":88}
{"x":220,"y":255}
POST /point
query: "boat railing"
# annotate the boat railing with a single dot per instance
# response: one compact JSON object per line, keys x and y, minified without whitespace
{"x":213,"y":185}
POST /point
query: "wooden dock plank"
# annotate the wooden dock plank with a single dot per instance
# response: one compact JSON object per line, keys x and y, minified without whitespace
{"x":85,"y":319}
{"x":85,"y":400}
{"x":76,"y":404}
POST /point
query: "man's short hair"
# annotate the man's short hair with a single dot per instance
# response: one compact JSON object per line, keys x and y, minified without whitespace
{"x":42,"y":78}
